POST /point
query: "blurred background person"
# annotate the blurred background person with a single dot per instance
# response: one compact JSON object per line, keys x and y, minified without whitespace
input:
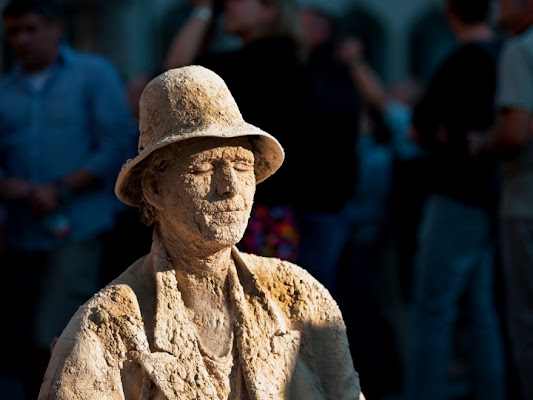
{"x":409,"y":182}
{"x":336,"y":114}
{"x":389,"y":112}
{"x":383,"y":213}
{"x":510,"y":142}
{"x":453,"y":277}
{"x":267,"y":76}
{"x":370,"y":290}
{"x":130,"y":239}
{"x":64,"y":127}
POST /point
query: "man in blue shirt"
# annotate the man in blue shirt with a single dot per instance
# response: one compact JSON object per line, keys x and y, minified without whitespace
{"x":65,"y":128}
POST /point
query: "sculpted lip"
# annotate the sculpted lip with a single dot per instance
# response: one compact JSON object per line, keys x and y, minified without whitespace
{"x":221,"y":212}
{"x":227,"y":209}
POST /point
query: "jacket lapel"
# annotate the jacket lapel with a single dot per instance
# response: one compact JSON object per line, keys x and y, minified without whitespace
{"x":176,"y":366}
{"x":268,"y":349}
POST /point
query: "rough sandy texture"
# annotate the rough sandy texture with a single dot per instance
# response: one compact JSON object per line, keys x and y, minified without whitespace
{"x":123,"y":344}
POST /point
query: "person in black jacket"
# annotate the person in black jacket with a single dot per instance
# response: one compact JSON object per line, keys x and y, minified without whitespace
{"x":336,"y":118}
{"x":268,"y":78}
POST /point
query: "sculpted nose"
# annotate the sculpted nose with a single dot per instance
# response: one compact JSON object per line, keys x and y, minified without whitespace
{"x":228,"y":182}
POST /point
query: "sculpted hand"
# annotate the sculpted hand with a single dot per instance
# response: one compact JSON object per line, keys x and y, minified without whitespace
{"x":15,"y":188}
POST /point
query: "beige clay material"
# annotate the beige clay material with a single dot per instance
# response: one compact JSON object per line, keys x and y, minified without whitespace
{"x":134,"y":338}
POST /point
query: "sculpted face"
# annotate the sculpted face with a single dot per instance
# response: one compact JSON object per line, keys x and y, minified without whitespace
{"x":206,"y":193}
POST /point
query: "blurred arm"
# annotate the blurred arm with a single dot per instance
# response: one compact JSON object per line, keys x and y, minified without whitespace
{"x":515,"y":100}
{"x":507,"y":138}
{"x":189,"y":40}
{"x":350,"y":53}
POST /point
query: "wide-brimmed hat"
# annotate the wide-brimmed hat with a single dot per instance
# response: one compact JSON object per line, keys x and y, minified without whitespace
{"x":192,"y":102}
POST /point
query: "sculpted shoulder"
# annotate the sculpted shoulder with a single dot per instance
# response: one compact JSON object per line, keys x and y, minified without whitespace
{"x":113,"y":318}
{"x":295,"y":290}
{"x":269,"y":269}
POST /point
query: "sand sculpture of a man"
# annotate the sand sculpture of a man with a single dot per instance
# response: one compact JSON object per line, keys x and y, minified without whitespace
{"x":195,"y":318}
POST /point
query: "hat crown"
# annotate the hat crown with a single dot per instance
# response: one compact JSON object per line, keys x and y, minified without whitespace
{"x":184,"y":100}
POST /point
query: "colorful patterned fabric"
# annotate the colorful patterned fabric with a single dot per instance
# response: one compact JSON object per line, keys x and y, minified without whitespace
{"x":272,"y":232}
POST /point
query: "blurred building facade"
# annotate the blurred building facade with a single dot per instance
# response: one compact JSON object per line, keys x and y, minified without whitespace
{"x":403,"y":38}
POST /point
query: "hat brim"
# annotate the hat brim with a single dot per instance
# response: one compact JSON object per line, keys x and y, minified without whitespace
{"x":268,"y":153}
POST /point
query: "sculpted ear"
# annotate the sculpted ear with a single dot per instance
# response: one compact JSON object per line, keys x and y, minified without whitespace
{"x":151,"y":191}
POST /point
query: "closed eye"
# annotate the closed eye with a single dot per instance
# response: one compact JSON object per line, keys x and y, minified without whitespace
{"x":202,"y":168}
{"x":243,"y":166}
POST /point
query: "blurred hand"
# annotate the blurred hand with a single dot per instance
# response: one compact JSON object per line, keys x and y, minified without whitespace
{"x":475,"y":141}
{"x":44,"y":199}
{"x":350,"y":50}
{"x":413,"y":135}
{"x":441,"y":134}
{"x":202,"y":3}
{"x":14,"y":188}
